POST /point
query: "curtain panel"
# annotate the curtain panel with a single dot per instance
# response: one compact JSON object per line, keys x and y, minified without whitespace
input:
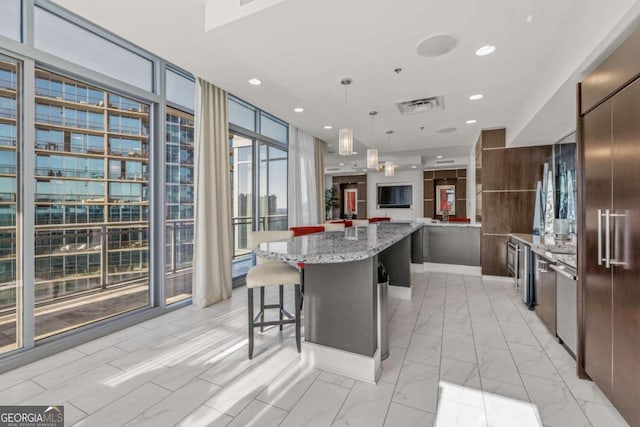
{"x":319,"y":159}
{"x":303,"y":198}
{"x":213,"y":240}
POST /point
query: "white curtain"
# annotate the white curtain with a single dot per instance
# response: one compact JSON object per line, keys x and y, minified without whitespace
{"x":213,"y":235}
{"x":322,"y":213}
{"x":303,"y":193}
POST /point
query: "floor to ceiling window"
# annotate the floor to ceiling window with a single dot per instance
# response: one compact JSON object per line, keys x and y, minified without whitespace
{"x":259,"y":187}
{"x":91,"y":202}
{"x":179,"y":200}
{"x":9,"y":126}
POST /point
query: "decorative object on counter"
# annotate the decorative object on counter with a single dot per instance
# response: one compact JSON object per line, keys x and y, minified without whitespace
{"x":549,"y":211}
{"x":445,"y":215}
{"x":446,"y":199}
{"x":538,"y":212}
{"x":562,"y":229}
{"x":571,"y":203}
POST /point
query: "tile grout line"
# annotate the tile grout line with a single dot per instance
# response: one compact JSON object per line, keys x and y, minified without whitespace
{"x":395,"y":386}
{"x":475,"y":349}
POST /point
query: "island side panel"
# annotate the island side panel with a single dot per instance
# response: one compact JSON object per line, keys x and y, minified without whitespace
{"x":397,"y":260}
{"x":340,"y":304}
{"x":417,"y":246}
{"x":452,"y":245}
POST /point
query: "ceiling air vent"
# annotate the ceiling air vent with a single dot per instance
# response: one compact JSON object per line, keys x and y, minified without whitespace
{"x":433,"y":103}
{"x":443,"y":162}
{"x":332,"y":169}
{"x":243,"y":2}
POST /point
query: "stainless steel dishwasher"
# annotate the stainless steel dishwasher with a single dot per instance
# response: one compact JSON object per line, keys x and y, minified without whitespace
{"x":567,"y":305}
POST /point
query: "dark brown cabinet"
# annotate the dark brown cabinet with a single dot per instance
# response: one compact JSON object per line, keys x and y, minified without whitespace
{"x":611,"y":284}
{"x":546,"y":292}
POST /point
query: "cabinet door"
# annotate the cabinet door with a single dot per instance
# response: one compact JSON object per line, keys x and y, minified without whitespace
{"x":597,"y":278}
{"x":549,"y":296}
{"x":537,"y":286}
{"x":626,"y":235}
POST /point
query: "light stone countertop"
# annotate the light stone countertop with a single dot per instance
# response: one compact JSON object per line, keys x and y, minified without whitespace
{"x":351,"y":244}
{"x":453,"y":224}
{"x":538,"y":245}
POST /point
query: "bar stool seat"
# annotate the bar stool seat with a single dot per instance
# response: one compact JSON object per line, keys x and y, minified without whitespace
{"x":272,"y":272}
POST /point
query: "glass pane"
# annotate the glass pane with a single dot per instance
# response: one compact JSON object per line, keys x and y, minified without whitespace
{"x":10,"y":289}
{"x":181,"y":90}
{"x":242,"y":192}
{"x":179,"y":198}
{"x":73,"y":43}
{"x":242,"y":115}
{"x":273,"y":188}
{"x":10,"y":19}
{"x":92,"y":223}
{"x":274,"y":129}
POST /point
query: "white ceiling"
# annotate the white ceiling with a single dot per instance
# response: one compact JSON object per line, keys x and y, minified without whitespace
{"x":301,"y":49}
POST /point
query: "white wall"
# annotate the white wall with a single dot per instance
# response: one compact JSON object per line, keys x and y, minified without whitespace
{"x":409,"y":177}
{"x":471,"y":185}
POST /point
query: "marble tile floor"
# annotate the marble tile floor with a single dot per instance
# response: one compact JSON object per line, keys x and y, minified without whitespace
{"x":464,"y":352}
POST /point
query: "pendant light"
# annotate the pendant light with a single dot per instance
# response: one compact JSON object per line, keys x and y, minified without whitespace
{"x":345,"y":136}
{"x":389,"y":166}
{"x":372,"y":153}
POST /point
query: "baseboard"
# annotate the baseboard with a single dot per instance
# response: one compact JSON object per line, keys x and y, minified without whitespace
{"x":417,"y":268}
{"x":467,"y":270}
{"x":499,"y":278}
{"x":400,"y":292}
{"x":352,"y":365}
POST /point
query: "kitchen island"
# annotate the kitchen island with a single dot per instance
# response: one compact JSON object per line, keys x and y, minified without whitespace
{"x":341,"y":297}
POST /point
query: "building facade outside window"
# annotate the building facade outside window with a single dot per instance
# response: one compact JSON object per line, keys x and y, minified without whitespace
{"x":258,"y":160}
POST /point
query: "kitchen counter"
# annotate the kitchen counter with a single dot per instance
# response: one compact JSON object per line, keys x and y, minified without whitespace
{"x":453,"y":224}
{"x":564,"y":253}
{"x":330,"y":247}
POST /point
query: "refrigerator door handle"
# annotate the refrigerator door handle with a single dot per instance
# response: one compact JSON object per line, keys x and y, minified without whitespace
{"x":607,"y":238}
{"x":599,"y":236}
{"x":621,"y":242}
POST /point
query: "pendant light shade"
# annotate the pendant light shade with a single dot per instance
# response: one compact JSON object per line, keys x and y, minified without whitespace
{"x":345,"y":137}
{"x":389,"y":168}
{"x":372,"y":158}
{"x":345,"y":142}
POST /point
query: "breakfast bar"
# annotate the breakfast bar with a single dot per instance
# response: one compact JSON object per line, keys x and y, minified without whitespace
{"x":341,"y":299}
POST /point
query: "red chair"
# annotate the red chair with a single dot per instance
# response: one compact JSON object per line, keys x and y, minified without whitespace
{"x":455,"y":219}
{"x":379,"y":219}
{"x":306,"y":229}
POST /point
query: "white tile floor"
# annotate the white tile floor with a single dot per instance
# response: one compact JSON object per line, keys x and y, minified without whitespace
{"x":464,"y":352}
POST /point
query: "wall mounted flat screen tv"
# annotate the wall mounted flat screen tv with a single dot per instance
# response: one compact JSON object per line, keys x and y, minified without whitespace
{"x":395,"y":196}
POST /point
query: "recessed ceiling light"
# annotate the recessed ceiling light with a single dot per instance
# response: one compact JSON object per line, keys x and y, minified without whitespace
{"x":472,"y":121}
{"x":413,"y":167}
{"x":298,"y":109}
{"x":486,"y":50}
{"x":255,"y":82}
{"x":341,"y":164}
{"x":355,"y":152}
{"x":476,"y":97}
{"x":529,"y":19}
{"x":328,"y":127}
{"x":437,"y":45}
{"x":439,"y":157}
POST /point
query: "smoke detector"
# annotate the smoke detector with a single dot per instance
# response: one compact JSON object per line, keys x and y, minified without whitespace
{"x":422,"y":105}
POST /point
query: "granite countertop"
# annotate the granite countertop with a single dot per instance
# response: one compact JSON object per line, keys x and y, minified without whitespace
{"x":565,"y":252}
{"x":453,"y":224}
{"x":351,"y":244}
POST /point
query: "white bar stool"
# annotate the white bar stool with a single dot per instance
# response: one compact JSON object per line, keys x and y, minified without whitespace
{"x":272,"y":272}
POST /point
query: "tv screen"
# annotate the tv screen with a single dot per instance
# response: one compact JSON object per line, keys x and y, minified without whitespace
{"x":395,"y":196}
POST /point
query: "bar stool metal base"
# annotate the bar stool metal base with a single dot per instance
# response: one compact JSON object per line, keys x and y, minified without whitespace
{"x":290,"y":319}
